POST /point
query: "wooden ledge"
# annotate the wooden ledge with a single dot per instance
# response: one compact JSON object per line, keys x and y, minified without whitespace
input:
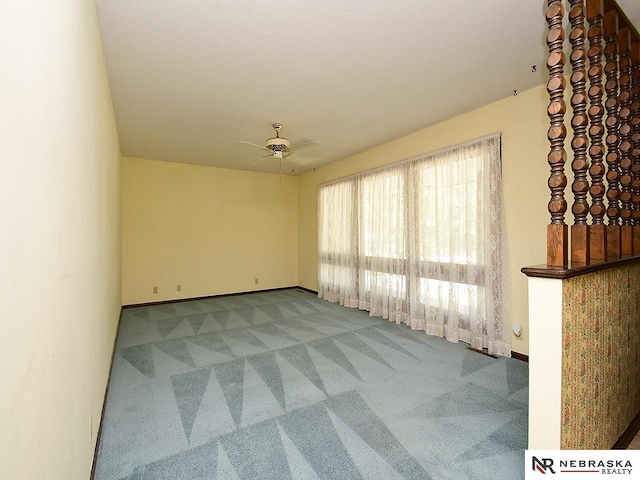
{"x":574,"y":269}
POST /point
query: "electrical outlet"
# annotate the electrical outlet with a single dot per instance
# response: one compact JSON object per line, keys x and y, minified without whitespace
{"x":155,"y":289}
{"x":517,"y":330}
{"x":178,"y":288}
{"x":256,"y":281}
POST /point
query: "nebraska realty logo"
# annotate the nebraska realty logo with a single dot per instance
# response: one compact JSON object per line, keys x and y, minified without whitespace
{"x":579,"y":464}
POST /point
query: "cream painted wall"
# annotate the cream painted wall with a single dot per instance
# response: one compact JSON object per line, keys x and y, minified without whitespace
{"x":60,"y":237}
{"x":210,"y":230}
{"x":523,"y":123}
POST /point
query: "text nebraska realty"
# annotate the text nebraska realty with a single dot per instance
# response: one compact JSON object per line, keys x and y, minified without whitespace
{"x":605,"y":467}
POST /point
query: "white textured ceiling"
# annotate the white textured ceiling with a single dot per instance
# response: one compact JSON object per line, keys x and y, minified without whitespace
{"x":191,"y":78}
{"x":631,"y":9}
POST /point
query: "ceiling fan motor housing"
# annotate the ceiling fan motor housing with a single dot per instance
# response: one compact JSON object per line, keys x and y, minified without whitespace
{"x":277,"y":143}
{"x":279,"y":146}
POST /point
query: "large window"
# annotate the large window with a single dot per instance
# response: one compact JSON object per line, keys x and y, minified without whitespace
{"x":420,"y":242}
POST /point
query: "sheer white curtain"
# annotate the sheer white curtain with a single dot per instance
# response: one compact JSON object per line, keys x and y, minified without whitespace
{"x":338,"y":236}
{"x":421,"y":242}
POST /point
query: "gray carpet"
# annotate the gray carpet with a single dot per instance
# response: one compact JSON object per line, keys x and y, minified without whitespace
{"x":282,"y":385}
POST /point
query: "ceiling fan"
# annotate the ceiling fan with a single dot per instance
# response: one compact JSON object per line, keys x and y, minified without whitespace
{"x":279,"y":147}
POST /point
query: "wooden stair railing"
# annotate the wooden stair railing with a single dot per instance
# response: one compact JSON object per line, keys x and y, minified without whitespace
{"x":595,"y":12}
{"x":626,"y":233}
{"x":605,"y":142}
{"x":611,"y":87}
{"x":557,"y":233}
{"x":579,"y":122}
{"x":635,"y":139}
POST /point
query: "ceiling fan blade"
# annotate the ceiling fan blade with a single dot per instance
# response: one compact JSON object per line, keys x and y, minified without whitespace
{"x":254,"y":145}
{"x":257,"y":158}
{"x":306,"y":145}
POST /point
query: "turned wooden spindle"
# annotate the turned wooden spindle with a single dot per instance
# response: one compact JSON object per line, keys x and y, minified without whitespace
{"x":635,"y":140}
{"x":595,"y":12}
{"x":625,"y":134}
{"x":579,"y":122}
{"x":557,"y":232}
{"x":613,"y":141}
